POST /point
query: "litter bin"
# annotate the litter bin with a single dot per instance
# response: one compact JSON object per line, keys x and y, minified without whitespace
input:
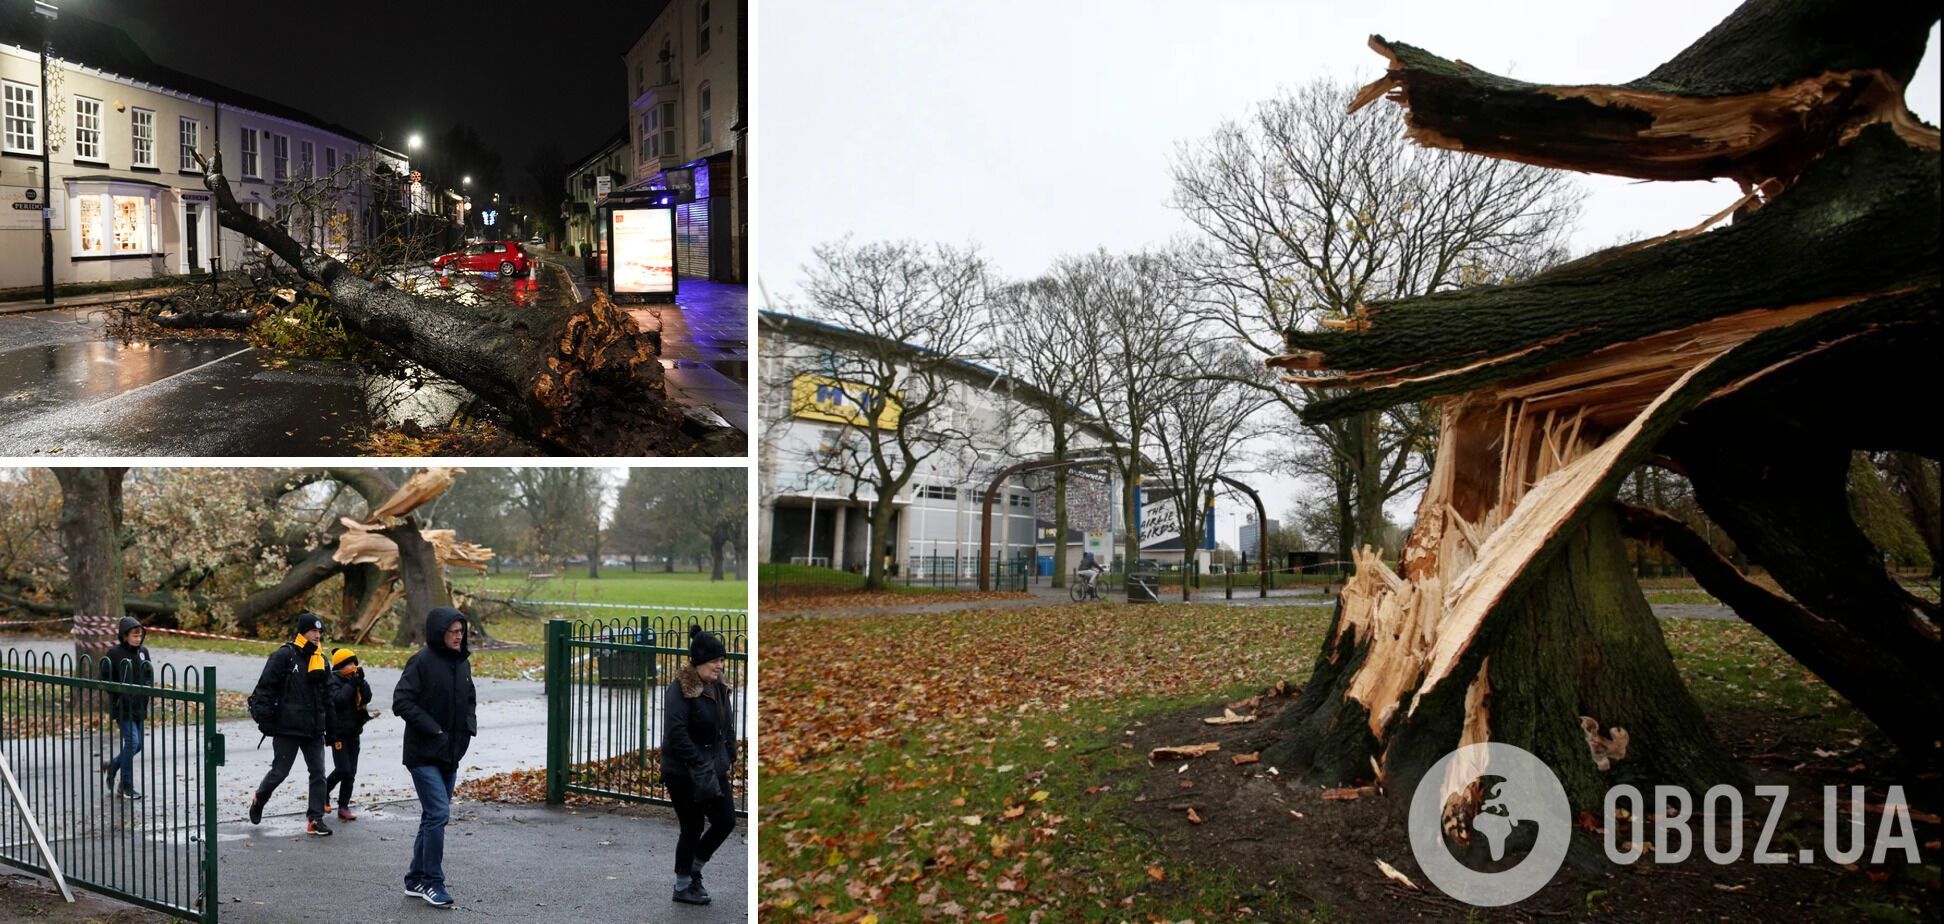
{"x":625,"y":668}
{"x":1140,"y":587}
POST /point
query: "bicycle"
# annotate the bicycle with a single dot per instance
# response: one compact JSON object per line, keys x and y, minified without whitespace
{"x":1084,"y":589}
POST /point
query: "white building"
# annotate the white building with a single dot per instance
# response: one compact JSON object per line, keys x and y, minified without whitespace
{"x":122,"y":135}
{"x":810,"y":515}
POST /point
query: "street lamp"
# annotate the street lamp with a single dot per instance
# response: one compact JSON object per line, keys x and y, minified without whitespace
{"x":48,"y":13}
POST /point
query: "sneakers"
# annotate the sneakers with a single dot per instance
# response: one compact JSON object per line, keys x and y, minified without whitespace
{"x":315,"y":828}
{"x":693,"y":895}
{"x":127,"y":792}
{"x":344,"y":813}
{"x":434,"y":895}
{"x":256,"y":810}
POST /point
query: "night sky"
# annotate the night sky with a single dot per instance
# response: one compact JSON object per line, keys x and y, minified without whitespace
{"x":521,"y":74}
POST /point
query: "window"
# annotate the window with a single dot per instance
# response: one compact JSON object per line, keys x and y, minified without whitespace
{"x":109,"y":224}
{"x":87,"y":128}
{"x":658,"y":132}
{"x":702,"y":27}
{"x":142,"y":128}
{"x":189,"y":136}
{"x":938,"y":492}
{"x":330,"y":161}
{"x":21,"y":118}
{"x":705,"y":131}
{"x":280,"y":157}
{"x":667,"y":59}
{"x":639,"y":86}
{"x":306,"y":157}
{"x":251,"y":169}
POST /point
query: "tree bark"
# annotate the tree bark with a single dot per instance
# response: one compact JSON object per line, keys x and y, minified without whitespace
{"x":1059,"y":510}
{"x":583,"y":381}
{"x":715,"y":557}
{"x":875,"y":578}
{"x":90,"y":524}
{"x":1577,"y":639}
{"x":423,"y":576}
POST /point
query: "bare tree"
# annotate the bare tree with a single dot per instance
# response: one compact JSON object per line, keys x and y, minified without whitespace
{"x":1045,"y":332}
{"x":1138,"y":307}
{"x":1309,"y":211}
{"x":1201,"y":427}
{"x":902,"y":317}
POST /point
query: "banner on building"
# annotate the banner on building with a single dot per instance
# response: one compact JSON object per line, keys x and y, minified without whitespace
{"x":820,"y":397}
{"x":20,"y":209}
{"x":644,"y":250}
{"x":1160,"y":521}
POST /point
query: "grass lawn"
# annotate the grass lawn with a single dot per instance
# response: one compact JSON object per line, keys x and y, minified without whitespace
{"x":975,"y":765}
{"x":616,"y":585}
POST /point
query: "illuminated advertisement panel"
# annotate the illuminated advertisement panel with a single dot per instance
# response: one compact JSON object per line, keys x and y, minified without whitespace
{"x":643,"y":241}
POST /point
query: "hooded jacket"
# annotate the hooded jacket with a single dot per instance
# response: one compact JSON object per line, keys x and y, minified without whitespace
{"x":125,"y":663}
{"x":701,"y":724}
{"x":435,"y":697}
{"x":292,"y":697}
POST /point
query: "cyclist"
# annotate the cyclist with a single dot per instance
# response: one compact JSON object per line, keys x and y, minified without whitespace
{"x":1089,"y":571}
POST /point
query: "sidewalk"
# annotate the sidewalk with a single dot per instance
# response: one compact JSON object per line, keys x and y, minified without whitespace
{"x":704,"y":339}
{"x":82,"y":301}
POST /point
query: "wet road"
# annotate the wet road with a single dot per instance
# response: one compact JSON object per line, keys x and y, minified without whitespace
{"x":66,"y":389}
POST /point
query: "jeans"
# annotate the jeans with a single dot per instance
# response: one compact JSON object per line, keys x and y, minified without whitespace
{"x":693,"y":845}
{"x":344,"y":769}
{"x":284,"y":750}
{"x":434,"y":785}
{"x":131,"y":745}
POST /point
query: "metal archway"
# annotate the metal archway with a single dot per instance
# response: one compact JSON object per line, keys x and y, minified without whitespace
{"x":992,"y":491}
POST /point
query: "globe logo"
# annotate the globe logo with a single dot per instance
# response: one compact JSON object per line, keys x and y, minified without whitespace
{"x":1498,"y":797}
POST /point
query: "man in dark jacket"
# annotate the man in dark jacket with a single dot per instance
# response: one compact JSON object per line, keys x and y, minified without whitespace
{"x":127,"y":662}
{"x":436,"y":699}
{"x":289,"y":705}
{"x":350,"y":694}
{"x":698,"y":749}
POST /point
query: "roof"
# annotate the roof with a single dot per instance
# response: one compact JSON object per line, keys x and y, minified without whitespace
{"x":780,"y":321}
{"x":105,"y":178}
{"x":104,"y":47}
{"x":619,"y":138}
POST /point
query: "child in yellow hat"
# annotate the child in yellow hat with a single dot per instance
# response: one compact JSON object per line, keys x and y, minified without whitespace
{"x":349,"y":697}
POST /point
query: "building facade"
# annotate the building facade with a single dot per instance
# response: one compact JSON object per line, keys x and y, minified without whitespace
{"x":614,"y":159}
{"x":813,"y":513}
{"x":688,"y":129}
{"x":123,"y":136}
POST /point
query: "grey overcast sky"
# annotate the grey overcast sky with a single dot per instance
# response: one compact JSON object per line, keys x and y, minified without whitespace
{"x":1038,"y":128}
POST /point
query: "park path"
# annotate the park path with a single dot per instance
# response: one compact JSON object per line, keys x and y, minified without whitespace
{"x":1046,"y":596}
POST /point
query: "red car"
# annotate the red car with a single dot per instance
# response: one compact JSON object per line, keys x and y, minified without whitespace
{"x":507,"y":258}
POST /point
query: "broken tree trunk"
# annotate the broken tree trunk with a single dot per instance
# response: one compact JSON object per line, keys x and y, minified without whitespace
{"x":1514,"y":616}
{"x":582,"y":381}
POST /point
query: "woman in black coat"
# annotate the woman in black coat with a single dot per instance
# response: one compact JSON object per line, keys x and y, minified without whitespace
{"x":698,"y":748}
{"x":127,"y":662}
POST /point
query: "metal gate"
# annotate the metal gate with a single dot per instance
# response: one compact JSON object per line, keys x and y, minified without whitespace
{"x":605,"y":681}
{"x":159,"y":851}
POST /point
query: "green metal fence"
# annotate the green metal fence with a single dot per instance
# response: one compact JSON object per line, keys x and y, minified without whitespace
{"x":605,"y":681}
{"x":159,"y":851}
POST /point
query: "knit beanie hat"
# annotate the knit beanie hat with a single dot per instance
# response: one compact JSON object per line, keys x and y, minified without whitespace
{"x":705,"y":646}
{"x":307,"y":621}
{"x":343,"y":658}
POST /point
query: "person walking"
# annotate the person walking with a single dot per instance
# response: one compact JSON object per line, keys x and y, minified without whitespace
{"x":127,"y":662}
{"x":289,"y":705}
{"x":350,"y":694}
{"x":698,"y":748}
{"x":435,"y":697}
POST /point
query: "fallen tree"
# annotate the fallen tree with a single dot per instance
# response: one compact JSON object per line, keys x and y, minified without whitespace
{"x":1752,"y":358}
{"x":584,"y":381}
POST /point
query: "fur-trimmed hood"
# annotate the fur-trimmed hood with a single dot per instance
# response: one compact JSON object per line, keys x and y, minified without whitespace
{"x":692,"y":683}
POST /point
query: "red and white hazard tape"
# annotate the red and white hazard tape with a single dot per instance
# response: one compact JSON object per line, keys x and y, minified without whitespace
{"x":36,"y":622}
{"x":227,"y":638}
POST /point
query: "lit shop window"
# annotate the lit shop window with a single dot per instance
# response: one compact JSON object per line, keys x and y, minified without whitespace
{"x":106,"y":225}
